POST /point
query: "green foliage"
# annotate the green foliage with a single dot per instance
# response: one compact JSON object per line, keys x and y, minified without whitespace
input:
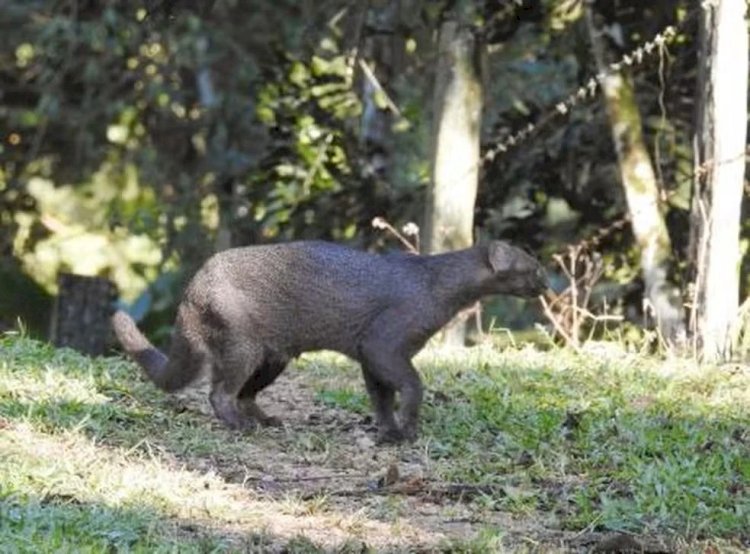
{"x":175,"y":124}
{"x":76,"y":221}
{"x":308,"y":108}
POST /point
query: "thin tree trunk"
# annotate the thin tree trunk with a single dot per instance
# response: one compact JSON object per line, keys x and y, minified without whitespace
{"x":449,"y":218}
{"x":719,"y":144}
{"x":641,"y":192}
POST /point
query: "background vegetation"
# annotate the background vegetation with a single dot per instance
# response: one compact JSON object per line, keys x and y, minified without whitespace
{"x":138,"y":137}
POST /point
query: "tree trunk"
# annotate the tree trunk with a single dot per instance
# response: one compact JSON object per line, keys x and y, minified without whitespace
{"x":719,"y":145}
{"x":641,"y":192}
{"x":449,"y":218}
{"x":80,"y":316}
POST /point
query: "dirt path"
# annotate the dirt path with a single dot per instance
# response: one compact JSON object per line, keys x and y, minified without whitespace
{"x":335,"y":485}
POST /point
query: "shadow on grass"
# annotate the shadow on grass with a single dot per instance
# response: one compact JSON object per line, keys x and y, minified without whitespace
{"x":56,"y":523}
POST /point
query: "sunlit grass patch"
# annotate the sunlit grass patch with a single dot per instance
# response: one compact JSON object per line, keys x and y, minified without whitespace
{"x":71,"y":466}
{"x":58,"y":390}
{"x":92,"y":458}
{"x":628,"y":444}
{"x":58,"y":525}
{"x":63,"y":492}
{"x":134,"y":501}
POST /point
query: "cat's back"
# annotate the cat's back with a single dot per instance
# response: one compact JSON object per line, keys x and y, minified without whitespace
{"x":307,"y":269}
{"x":302,"y":296}
{"x":301,"y":259}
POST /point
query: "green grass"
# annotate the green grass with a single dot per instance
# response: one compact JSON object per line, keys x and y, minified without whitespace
{"x":348,"y":398}
{"x":620,"y":443}
{"x":77,"y":469}
{"x":639,"y":445}
{"x":94,"y":459}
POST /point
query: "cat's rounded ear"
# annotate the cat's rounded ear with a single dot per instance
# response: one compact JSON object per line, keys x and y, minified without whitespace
{"x":500,"y":256}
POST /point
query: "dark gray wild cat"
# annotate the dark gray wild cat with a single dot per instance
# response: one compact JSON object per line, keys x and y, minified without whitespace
{"x":248,"y":311}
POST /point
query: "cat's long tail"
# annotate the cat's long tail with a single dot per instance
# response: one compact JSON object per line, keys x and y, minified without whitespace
{"x":168,"y":373}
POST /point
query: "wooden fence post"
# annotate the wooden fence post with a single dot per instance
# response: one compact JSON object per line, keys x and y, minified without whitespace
{"x":80,"y":316}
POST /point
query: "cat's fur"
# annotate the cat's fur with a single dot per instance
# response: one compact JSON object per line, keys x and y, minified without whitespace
{"x":248,"y":311}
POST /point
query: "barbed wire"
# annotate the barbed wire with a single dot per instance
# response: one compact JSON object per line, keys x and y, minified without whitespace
{"x":589,"y":243}
{"x":588,"y":91}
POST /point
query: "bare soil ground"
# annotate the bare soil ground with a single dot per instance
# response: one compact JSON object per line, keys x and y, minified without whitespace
{"x":338,"y":487}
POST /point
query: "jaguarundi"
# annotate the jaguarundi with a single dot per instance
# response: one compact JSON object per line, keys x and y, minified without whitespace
{"x":249,"y":310}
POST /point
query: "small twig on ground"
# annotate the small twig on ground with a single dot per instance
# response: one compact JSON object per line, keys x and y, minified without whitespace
{"x":451,"y":491}
{"x":258,"y":479}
